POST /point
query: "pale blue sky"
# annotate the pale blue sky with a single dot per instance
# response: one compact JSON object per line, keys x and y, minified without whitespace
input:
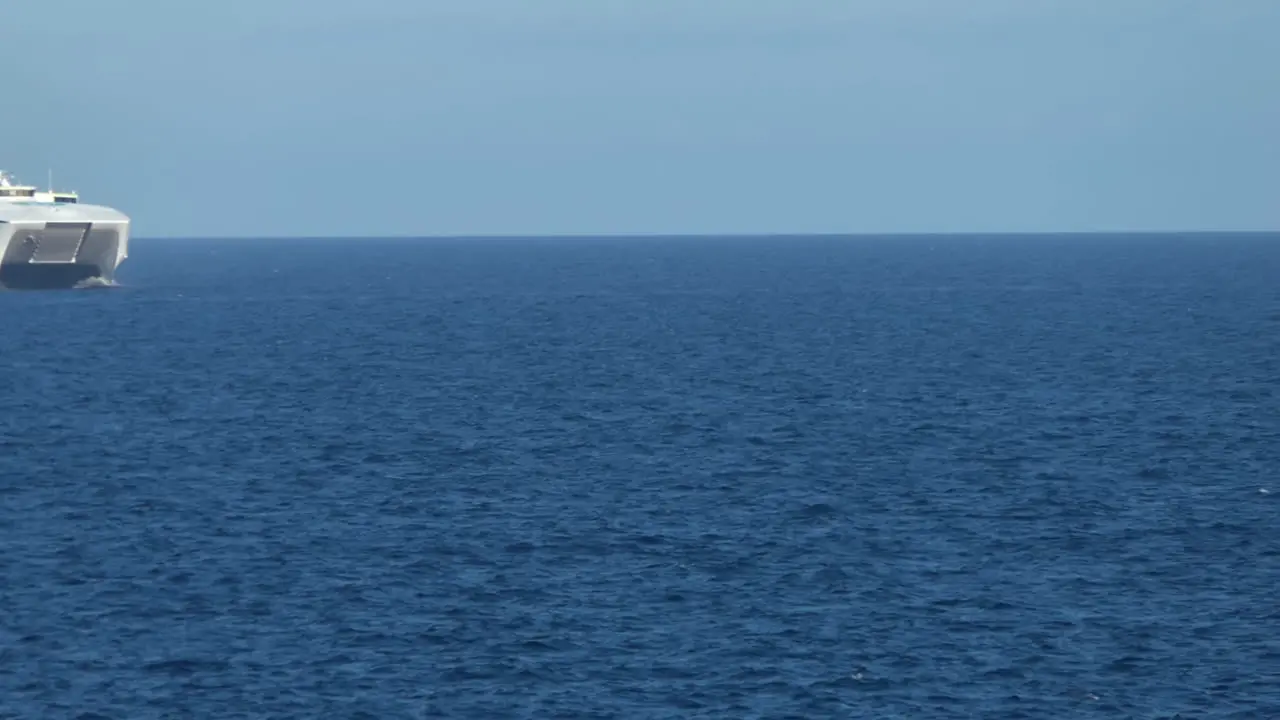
{"x":429,"y":117}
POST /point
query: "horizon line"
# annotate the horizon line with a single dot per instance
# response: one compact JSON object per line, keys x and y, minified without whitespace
{"x":721,"y":236}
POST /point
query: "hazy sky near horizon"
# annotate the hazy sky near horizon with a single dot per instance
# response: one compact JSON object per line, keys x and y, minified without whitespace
{"x":434,"y":117}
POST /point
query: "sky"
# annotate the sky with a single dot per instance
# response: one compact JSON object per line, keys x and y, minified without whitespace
{"x":264,"y":118}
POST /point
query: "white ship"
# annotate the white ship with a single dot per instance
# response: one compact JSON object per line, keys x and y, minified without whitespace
{"x":50,"y":240}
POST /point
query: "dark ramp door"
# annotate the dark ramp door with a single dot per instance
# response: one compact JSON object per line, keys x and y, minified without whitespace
{"x":59,"y":242}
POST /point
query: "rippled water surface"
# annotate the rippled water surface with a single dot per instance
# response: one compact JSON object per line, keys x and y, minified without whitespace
{"x":1016,"y":477}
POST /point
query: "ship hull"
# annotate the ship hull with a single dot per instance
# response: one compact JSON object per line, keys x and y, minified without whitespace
{"x":60,"y":247}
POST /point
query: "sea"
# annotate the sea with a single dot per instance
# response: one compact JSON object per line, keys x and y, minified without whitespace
{"x":916,"y":477}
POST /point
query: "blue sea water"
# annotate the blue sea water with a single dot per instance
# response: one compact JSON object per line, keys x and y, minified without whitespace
{"x":933,"y":477}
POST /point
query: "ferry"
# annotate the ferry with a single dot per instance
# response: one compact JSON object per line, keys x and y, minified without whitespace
{"x":50,"y":240}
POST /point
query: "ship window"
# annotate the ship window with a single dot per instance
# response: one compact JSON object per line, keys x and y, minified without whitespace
{"x":16,"y":192}
{"x":64,"y":199}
